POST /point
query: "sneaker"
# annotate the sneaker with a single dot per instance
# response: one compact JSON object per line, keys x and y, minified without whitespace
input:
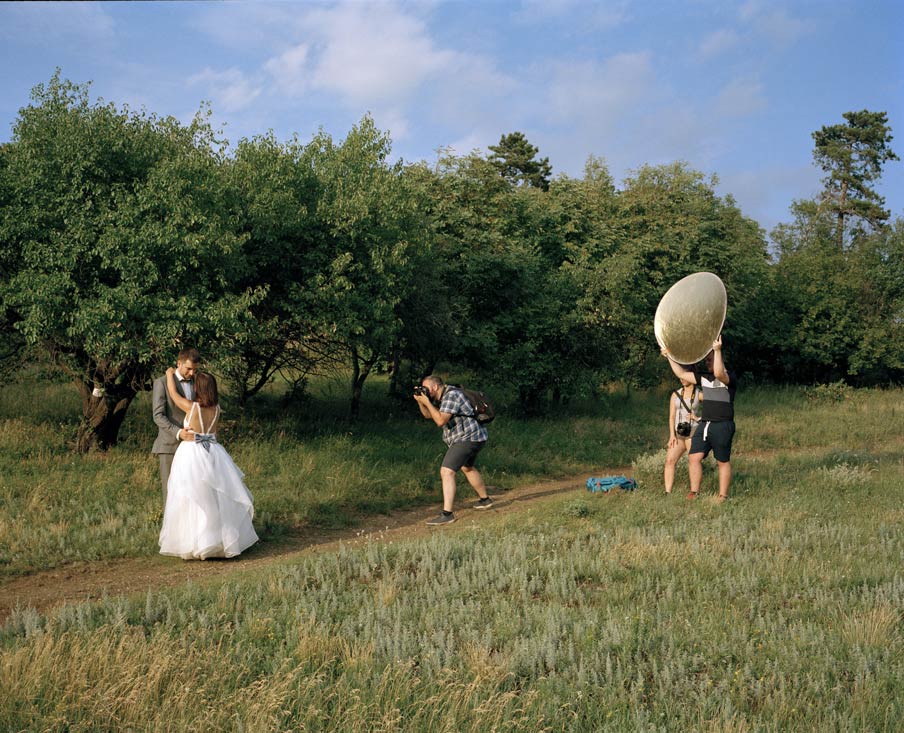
{"x":692,"y":495}
{"x":441,"y":519}
{"x":483,"y":503}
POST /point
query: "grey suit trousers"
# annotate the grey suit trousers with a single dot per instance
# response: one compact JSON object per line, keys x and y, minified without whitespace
{"x":166,"y":463}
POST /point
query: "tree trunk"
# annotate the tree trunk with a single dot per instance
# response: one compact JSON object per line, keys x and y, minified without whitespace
{"x":842,"y":200}
{"x":395,"y":369}
{"x":360,"y":371}
{"x":103,"y":412}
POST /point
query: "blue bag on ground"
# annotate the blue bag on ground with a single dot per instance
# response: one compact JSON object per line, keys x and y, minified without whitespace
{"x":604,"y":483}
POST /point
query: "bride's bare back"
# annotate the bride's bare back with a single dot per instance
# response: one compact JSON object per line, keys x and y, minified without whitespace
{"x":203,"y":419}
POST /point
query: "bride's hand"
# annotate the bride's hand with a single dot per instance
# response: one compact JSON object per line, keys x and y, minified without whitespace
{"x":170,"y":371}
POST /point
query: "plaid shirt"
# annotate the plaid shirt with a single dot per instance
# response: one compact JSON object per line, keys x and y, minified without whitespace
{"x":460,"y":429}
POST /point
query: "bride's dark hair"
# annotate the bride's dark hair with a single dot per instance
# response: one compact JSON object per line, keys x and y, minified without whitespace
{"x":206,"y":392}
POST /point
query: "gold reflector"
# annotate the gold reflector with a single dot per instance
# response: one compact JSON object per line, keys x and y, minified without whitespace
{"x":690,"y":316}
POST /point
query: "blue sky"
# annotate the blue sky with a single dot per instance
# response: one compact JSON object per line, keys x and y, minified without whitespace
{"x":734,"y":89}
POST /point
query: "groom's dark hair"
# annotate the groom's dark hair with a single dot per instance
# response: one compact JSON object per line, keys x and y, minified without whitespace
{"x":190,"y":354}
{"x":206,"y":389}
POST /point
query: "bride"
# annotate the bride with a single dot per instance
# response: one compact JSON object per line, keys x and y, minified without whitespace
{"x":208,"y":509}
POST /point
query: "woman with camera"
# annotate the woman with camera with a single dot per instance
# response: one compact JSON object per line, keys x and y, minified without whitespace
{"x":683,"y":404}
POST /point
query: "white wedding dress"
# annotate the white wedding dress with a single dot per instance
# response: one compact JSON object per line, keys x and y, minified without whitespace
{"x":208,"y":508}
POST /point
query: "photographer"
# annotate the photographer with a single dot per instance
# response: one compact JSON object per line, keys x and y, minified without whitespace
{"x":450,"y":410}
{"x":683,"y":406}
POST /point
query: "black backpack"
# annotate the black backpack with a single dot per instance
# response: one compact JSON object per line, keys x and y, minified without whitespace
{"x":484,"y":412}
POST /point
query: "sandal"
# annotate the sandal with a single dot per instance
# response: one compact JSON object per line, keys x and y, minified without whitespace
{"x":692,"y":495}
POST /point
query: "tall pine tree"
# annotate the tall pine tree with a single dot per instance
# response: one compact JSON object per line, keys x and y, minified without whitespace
{"x":852,"y":155}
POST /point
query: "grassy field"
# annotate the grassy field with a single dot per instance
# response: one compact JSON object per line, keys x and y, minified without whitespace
{"x":779,"y":610}
{"x":305,"y":464}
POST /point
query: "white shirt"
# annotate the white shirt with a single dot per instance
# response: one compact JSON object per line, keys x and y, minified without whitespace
{"x":184,"y":385}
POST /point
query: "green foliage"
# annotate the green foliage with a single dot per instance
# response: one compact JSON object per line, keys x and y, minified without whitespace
{"x":516,"y":160}
{"x":124,"y":236}
{"x":852,"y":154}
{"x":834,"y":392}
{"x":276,"y":190}
{"x":500,"y":255}
{"x":126,"y":246}
{"x":372,"y":227}
{"x":669,"y":223}
{"x":840,"y":308}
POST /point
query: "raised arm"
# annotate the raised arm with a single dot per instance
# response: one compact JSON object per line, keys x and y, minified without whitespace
{"x":429,"y":411}
{"x":679,"y":370}
{"x":719,"y":370}
{"x":162,"y":420}
{"x":177,"y":397}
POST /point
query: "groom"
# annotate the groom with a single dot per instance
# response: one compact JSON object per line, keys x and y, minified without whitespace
{"x":168,"y":417}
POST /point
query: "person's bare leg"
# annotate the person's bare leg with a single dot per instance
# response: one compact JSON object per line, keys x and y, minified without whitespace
{"x":724,"y":478}
{"x":672,"y":456}
{"x":448,"y":478}
{"x":695,"y":471}
{"x":476,"y":480}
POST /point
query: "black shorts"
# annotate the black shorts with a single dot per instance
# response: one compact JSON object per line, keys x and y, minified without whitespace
{"x":462,"y":454}
{"x":715,"y":437}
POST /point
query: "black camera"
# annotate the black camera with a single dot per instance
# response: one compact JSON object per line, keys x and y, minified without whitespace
{"x":421,"y":389}
{"x":683,"y":430}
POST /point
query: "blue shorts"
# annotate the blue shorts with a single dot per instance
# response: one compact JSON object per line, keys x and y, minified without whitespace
{"x":462,"y":454}
{"x":715,"y":437}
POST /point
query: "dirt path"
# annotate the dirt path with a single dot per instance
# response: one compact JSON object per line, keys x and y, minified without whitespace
{"x":84,"y":581}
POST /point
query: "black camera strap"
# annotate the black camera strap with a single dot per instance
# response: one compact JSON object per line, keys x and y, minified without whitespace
{"x":690,"y":412}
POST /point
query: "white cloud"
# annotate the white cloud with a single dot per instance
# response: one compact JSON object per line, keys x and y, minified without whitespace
{"x":717,"y":43}
{"x":740,"y":98}
{"x":380,"y":57}
{"x":394,"y":122}
{"x":370,"y":53}
{"x":229,"y":90}
{"x":290,"y":70}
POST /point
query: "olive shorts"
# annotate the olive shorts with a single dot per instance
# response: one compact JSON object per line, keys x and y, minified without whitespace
{"x":462,"y":454}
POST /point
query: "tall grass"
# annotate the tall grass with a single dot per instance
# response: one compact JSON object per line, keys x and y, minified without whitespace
{"x":306,"y":464}
{"x":780,"y":610}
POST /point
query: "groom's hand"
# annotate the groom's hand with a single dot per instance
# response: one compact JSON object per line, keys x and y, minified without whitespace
{"x":187,"y":435}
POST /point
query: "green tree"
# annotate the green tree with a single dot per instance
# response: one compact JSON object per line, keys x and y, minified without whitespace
{"x":877,"y":264}
{"x":12,"y":344}
{"x":669,"y":224}
{"x":840,"y":309}
{"x":277,"y":194}
{"x":516,"y":160}
{"x":125,"y":248}
{"x":852,"y":154}
{"x":427,"y":325}
{"x":501,"y":250}
{"x":371,"y":228}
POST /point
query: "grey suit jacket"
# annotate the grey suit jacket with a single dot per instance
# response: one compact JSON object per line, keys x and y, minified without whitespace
{"x":168,"y":418}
